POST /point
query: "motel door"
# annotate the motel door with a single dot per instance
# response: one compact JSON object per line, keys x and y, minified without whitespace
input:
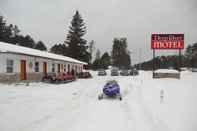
{"x":45,"y":69}
{"x":58,"y":69}
{"x":23,"y":73}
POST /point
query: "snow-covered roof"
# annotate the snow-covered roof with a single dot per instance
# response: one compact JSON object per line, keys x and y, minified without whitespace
{"x":6,"y":47}
{"x":166,"y":71}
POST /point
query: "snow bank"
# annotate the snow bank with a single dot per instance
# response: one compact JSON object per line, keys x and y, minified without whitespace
{"x":166,"y":71}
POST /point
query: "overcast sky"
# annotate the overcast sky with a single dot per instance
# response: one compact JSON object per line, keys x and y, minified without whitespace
{"x":48,"y":20}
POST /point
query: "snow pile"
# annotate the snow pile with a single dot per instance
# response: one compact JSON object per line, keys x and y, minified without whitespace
{"x":166,"y":71}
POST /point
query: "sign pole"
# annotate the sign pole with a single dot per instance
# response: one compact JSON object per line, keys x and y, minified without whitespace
{"x":153,"y":63}
{"x":180,"y":61}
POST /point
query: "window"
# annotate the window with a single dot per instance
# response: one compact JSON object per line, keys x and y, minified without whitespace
{"x":36,"y":66}
{"x":10,"y":66}
{"x":53,"y":67}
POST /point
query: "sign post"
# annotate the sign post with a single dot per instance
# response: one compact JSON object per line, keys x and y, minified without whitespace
{"x":153,"y":63}
{"x":167,"y":42}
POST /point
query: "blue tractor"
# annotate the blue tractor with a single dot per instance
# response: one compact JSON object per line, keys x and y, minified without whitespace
{"x":111,"y":89}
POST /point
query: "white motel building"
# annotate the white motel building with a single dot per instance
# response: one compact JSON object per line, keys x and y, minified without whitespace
{"x":19,"y":63}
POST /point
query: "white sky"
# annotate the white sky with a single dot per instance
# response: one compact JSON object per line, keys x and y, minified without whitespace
{"x":48,"y":20}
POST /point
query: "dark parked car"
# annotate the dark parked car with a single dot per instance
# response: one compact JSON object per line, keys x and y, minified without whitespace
{"x":134,"y":72}
{"x":124,"y":72}
{"x":84,"y":75}
{"x":102,"y":73}
{"x":114,"y":72}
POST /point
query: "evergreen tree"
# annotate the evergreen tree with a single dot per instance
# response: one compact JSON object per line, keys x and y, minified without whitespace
{"x":120,"y":54}
{"x":60,"y":49}
{"x":105,"y":60}
{"x":191,"y":54}
{"x":2,"y":28}
{"x":27,"y":41}
{"x":40,"y":46}
{"x":10,"y":34}
{"x":5,"y":31}
{"x":76,"y":44}
{"x":96,"y":64}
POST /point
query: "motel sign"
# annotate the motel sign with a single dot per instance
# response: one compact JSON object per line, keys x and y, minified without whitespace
{"x":167,"y":41}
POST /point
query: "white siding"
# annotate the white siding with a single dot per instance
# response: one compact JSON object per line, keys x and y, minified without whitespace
{"x":30,"y":63}
{"x":2,"y":63}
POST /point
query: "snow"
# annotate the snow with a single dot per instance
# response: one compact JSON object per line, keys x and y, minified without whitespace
{"x":6,"y":47}
{"x":166,"y":71}
{"x":75,"y":106}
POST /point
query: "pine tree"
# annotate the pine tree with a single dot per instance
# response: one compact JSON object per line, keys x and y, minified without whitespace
{"x":40,"y":46}
{"x":105,"y":60}
{"x":27,"y":41}
{"x":60,"y":49}
{"x":2,"y":28}
{"x":5,"y":31}
{"x":77,"y":47}
{"x":120,"y":54}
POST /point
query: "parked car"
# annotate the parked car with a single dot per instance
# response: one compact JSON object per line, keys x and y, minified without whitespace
{"x":134,"y":72}
{"x":84,"y":75}
{"x":59,"y":78}
{"x":102,"y":72}
{"x":124,"y":72}
{"x":114,"y":72}
{"x":194,"y":69}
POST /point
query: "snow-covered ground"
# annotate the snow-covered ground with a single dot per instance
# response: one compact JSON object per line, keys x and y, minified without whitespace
{"x":75,"y":106}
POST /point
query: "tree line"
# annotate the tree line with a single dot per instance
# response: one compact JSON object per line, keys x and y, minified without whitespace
{"x":11,"y":34}
{"x":74,"y":46}
{"x":77,"y":47}
{"x":187,"y":59}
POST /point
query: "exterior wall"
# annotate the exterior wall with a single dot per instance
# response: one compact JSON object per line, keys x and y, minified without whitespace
{"x":30,"y":67}
{"x":2,"y":62}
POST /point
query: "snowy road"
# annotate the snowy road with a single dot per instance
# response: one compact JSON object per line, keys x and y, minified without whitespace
{"x":75,"y":107}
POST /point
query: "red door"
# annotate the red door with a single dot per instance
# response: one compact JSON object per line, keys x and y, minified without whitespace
{"x":23,"y":73}
{"x":45,"y":69}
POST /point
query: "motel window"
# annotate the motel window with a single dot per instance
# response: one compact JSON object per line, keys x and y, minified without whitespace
{"x":10,"y":66}
{"x":53,"y":67}
{"x":36,"y":66}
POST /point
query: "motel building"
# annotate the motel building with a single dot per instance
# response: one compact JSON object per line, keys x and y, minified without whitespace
{"x":19,"y":63}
